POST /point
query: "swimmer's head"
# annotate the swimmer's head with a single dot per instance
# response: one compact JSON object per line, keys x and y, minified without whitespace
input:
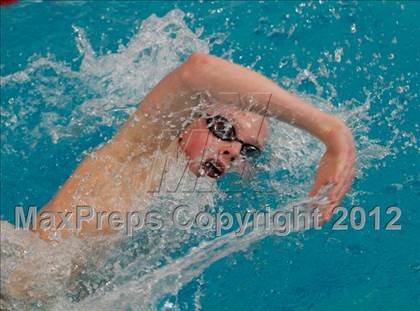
{"x":224,"y":138}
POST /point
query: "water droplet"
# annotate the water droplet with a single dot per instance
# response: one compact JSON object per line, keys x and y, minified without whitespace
{"x":338,"y":53}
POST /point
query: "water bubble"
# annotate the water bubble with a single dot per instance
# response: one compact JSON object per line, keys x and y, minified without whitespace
{"x":338,"y":53}
{"x":283,"y":62}
{"x":402,"y":89}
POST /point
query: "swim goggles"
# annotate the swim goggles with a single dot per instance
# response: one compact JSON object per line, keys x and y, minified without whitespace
{"x":220,"y":127}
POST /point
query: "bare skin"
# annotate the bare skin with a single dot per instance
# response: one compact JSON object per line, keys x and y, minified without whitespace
{"x":171,"y":102}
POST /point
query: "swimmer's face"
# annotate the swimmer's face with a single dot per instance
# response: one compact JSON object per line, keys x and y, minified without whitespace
{"x":209,"y":154}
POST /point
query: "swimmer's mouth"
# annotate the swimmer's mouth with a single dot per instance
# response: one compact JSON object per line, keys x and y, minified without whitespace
{"x":213,"y":169}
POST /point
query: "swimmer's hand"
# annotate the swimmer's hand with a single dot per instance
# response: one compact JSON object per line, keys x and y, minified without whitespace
{"x":337,"y":168}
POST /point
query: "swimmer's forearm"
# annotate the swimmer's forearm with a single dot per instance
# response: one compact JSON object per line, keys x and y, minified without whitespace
{"x":219,"y":76}
{"x":172,"y":95}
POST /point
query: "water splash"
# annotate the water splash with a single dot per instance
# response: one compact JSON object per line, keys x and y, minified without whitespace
{"x":103,"y":91}
{"x":66,"y":103}
{"x":145,"y":292}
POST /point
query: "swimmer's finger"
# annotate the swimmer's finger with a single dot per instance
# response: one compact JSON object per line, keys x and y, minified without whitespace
{"x":326,"y":213}
{"x":342,"y":192}
{"x":328,"y":209}
{"x":315,"y":189}
{"x":347,"y":185}
{"x":339,"y":184}
{"x":317,"y":185}
{"x":347,"y":180}
{"x":344,"y":174}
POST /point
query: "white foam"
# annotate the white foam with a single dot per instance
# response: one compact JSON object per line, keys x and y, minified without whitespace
{"x":105,"y":89}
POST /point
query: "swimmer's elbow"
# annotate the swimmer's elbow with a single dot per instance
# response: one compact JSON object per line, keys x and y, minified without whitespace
{"x":198,"y":59}
{"x":194,"y":65}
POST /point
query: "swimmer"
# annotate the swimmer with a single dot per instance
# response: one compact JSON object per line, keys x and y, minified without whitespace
{"x":194,"y":109}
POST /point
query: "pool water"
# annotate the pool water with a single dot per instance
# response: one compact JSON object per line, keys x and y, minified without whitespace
{"x":71,"y":72}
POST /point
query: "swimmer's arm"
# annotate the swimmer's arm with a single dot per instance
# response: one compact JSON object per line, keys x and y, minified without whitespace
{"x":204,"y":72}
{"x":221,"y":77}
{"x":172,"y":96}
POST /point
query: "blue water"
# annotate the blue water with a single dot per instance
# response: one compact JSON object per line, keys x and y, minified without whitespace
{"x":355,"y":55}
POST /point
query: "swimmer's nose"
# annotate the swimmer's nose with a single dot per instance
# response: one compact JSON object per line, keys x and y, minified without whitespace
{"x":231,"y":152}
